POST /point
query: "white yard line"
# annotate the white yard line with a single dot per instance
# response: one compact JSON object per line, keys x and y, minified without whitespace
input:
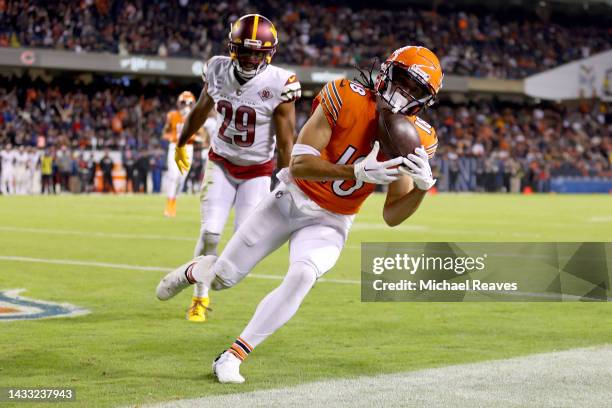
{"x":602,"y":218}
{"x":364,"y":226}
{"x":578,"y":377}
{"x":97,"y":234}
{"x":76,"y":262}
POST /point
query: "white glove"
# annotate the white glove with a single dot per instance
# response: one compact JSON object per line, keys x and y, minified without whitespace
{"x":417,"y":167}
{"x":372,"y":171}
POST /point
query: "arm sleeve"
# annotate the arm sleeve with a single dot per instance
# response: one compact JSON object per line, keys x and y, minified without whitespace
{"x":205,"y":68}
{"x":433,"y":146}
{"x":292,"y":90}
{"x":427,"y":134}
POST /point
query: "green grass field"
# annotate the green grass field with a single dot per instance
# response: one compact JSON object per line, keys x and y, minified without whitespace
{"x":133,"y":349}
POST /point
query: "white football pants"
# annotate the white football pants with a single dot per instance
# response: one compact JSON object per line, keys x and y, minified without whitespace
{"x":219,"y":193}
{"x":174,"y":179}
{"x":7,"y":184}
{"x":316,"y":238}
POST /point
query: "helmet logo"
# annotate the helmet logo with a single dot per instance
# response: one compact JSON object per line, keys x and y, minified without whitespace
{"x":416,"y":70}
{"x":252,"y":43}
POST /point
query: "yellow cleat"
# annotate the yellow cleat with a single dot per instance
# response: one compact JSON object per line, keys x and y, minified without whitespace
{"x":170,"y":210}
{"x":198,"y":312}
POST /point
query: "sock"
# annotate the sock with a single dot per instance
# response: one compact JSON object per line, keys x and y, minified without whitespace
{"x":207,"y":243}
{"x":240,"y":349}
{"x":200,"y":290}
{"x":281,"y":304}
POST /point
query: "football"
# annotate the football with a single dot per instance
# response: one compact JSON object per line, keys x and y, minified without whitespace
{"x":396,"y":134}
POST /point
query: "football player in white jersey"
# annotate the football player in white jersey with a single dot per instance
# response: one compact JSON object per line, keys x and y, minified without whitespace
{"x":34,"y":174}
{"x":255,"y":102}
{"x":21,"y":171}
{"x":7,"y":181}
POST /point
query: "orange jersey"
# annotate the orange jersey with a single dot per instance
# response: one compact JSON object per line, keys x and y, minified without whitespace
{"x":175,"y":121}
{"x":351,"y":112}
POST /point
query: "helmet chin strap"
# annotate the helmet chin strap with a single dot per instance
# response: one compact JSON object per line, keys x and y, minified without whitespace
{"x":185,"y":111}
{"x":246,"y":75}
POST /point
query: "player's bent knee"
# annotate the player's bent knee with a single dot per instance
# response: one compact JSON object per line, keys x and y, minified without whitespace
{"x":302,"y":274}
{"x":227,"y":275}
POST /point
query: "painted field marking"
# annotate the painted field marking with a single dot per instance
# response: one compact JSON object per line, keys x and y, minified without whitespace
{"x":73,"y":262}
{"x":571,"y":378}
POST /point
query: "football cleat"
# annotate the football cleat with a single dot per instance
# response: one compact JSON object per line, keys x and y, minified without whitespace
{"x":176,"y":281}
{"x":226,"y":368}
{"x":170,"y":210}
{"x":198,"y":311}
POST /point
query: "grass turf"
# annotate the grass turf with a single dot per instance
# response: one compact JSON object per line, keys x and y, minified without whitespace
{"x":133,"y":349}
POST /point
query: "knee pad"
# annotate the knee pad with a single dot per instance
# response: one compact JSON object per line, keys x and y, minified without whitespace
{"x":211,"y":241}
{"x":302,"y":274}
{"x":226,"y":275}
{"x":207,"y":243}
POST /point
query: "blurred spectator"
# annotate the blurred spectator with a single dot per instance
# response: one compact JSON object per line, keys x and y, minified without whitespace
{"x":64,"y":166}
{"x":83,"y":173}
{"x":196,"y":171}
{"x":142,"y":171}
{"x":46,"y":167}
{"x":106,"y":166}
{"x":511,"y":44}
{"x":157,"y":167}
{"x":128,"y":164}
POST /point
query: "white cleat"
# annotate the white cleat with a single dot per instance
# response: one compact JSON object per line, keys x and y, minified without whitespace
{"x":175,"y":281}
{"x":226,"y":368}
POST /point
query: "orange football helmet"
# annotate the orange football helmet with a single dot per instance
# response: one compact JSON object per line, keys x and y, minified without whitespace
{"x":252,"y":44}
{"x":185,"y":102}
{"x":186,"y":98}
{"x":410,"y":79}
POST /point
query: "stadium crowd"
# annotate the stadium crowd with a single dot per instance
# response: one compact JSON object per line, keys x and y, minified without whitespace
{"x":507,"y":147}
{"x":471,"y":43}
{"x":501,"y":142}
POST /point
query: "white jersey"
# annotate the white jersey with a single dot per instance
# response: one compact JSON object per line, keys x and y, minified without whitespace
{"x":246,"y":134}
{"x":33,"y":158}
{"x":8,"y":159}
{"x":21,"y":161}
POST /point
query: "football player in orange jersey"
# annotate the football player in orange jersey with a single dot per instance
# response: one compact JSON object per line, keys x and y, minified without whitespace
{"x":334,"y":167}
{"x":174,"y":123}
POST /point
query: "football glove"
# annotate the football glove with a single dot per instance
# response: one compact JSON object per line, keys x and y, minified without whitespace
{"x":181,"y":158}
{"x":417,"y":167}
{"x":370,"y":170}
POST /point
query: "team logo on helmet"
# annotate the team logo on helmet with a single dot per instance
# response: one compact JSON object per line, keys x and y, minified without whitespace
{"x":410,"y":79}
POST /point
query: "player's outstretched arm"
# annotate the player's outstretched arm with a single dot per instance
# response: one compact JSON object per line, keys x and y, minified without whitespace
{"x":284,"y":123}
{"x":167,"y":128}
{"x":406,"y":194}
{"x":403,"y":199}
{"x":196,"y":117}
{"x":316,"y":134}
